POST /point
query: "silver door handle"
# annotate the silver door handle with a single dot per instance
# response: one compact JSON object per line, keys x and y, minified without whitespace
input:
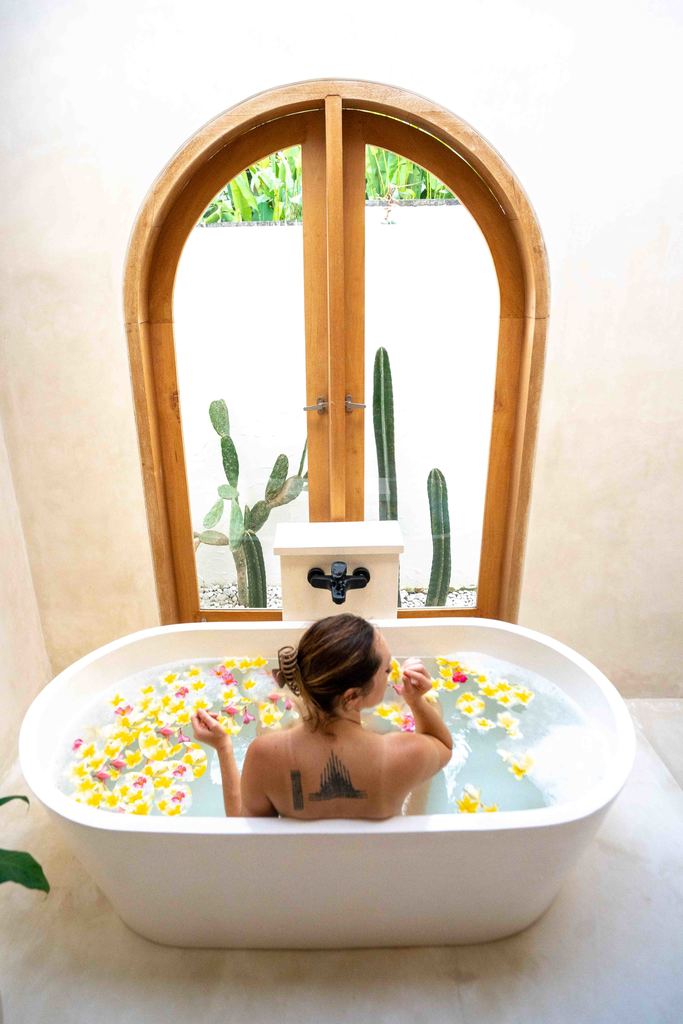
{"x":350,"y":406}
{"x":320,"y":406}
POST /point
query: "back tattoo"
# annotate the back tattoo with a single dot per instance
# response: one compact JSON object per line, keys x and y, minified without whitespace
{"x":335,"y":782}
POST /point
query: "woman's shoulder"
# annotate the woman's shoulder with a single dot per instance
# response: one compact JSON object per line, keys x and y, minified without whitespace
{"x":415,"y":752}
{"x":269,"y":744}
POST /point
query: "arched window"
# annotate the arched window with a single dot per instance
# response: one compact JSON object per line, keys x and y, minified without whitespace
{"x":352,"y":273}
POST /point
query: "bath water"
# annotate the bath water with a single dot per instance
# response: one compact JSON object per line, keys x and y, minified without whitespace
{"x":519,"y":741}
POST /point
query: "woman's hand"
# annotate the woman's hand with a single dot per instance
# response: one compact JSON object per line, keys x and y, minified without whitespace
{"x":416,"y":680}
{"x":208,"y":730}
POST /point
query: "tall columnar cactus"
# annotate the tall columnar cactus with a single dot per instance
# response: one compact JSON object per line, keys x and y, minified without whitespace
{"x":440,"y":575}
{"x":383,"y":420}
{"x":244,"y":524}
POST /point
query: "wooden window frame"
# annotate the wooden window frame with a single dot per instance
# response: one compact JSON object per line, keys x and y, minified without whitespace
{"x":326,"y":116}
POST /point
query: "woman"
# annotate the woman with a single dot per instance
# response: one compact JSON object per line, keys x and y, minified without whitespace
{"x":329,"y":765}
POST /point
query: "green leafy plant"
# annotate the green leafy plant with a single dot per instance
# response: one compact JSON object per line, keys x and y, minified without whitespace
{"x":19,"y":867}
{"x":271,"y":189}
{"x":440,"y":574}
{"x":390,"y":174}
{"x":244,"y":523}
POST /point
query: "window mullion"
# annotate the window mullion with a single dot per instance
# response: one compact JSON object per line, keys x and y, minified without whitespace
{"x":336,"y":358}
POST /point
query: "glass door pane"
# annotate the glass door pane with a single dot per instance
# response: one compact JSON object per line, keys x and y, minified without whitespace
{"x":240,"y":353}
{"x":432,"y":304}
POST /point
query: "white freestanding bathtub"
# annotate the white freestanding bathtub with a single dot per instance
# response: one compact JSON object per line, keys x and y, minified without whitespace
{"x":278,"y":883}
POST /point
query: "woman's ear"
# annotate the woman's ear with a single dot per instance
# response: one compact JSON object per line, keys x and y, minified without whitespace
{"x":350,"y":698}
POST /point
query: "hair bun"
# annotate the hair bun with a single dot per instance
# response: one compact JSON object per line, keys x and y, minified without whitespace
{"x":289,"y":670}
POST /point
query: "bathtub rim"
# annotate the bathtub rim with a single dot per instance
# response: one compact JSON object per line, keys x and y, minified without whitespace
{"x":594,"y":801}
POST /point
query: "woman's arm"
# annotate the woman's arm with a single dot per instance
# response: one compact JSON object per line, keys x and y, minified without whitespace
{"x":255,"y":802}
{"x":230,"y":777}
{"x":416,"y":683}
{"x":207,"y":730}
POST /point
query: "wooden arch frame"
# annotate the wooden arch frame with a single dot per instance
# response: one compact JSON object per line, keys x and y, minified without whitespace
{"x":492,"y":195}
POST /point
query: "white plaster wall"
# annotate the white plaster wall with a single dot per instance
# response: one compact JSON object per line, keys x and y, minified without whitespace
{"x":25,"y":666}
{"x":581,"y":100}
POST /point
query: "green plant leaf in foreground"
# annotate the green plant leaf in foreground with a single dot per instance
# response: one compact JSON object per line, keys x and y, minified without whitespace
{"x":6,"y":799}
{"x":23,"y":869}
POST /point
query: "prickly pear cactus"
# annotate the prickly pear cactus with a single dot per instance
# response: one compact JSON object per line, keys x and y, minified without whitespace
{"x":244,"y":524}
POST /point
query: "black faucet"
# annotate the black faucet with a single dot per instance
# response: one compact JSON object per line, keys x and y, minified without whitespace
{"x":338,"y":582}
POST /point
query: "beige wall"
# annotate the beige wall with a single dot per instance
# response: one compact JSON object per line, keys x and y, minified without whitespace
{"x":25,"y":667}
{"x":102,"y":95}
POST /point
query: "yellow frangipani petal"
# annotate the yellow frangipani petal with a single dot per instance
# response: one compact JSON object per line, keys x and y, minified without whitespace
{"x":507,"y":720}
{"x":468,"y":804}
{"x":505,"y":700}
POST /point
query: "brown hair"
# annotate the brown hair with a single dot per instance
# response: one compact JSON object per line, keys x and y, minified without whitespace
{"x":334,"y":654}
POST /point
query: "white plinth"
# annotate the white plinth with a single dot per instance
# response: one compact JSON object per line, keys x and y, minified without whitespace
{"x":375,"y":546}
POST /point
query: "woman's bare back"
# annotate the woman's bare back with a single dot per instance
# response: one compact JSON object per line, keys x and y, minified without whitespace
{"x":347,"y":772}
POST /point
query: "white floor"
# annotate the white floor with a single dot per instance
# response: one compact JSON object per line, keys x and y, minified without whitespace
{"x":609,"y":949}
